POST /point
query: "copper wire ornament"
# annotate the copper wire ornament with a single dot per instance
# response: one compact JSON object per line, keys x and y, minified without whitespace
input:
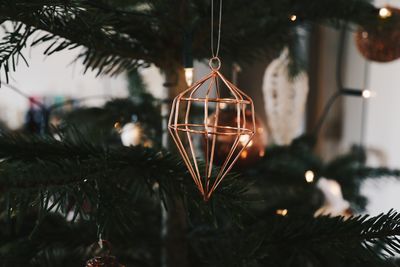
{"x":212,"y":95}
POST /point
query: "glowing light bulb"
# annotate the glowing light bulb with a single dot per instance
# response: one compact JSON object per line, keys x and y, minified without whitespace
{"x":282,"y":212}
{"x":309,"y":175}
{"x":223,"y":105}
{"x":293,"y":17}
{"x":117,"y":125}
{"x":385,"y":13}
{"x":366,"y":94}
{"x":244,"y":139}
{"x":189,"y":76}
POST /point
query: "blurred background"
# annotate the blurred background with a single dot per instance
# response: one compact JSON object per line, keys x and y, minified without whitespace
{"x":58,"y":82}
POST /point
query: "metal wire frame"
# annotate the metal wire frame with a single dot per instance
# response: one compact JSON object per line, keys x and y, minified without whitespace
{"x":210,"y":129}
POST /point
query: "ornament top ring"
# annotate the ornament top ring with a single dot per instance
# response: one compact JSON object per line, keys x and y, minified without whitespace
{"x":198,"y":131}
{"x":214,"y":63}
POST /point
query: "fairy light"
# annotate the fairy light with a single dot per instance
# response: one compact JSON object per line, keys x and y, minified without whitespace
{"x":282,"y":212}
{"x":223,"y":105}
{"x":189,"y":76}
{"x":366,"y":93}
{"x":309,"y":175}
{"x":117,"y":125}
{"x":385,"y":13}
{"x":293,"y":17}
{"x":244,"y":139}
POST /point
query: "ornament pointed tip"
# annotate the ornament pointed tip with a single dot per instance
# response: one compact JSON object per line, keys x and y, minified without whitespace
{"x":206,"y":198}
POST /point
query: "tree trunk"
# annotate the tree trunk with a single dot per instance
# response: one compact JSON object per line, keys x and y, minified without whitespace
{"x":175,"y":252}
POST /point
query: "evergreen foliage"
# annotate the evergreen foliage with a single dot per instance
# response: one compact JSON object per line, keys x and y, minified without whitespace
{"x":121,"y":35}
{"x":54,"y":190}
{"x":58,"y":196}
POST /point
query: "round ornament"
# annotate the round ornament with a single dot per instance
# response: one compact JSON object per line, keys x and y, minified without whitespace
{"x":255,"y":148}
{"x":133,"y":134}
{"x":285,"y":98}
{"x":380,"y":42}
{"x":102,"y":249}
{"x":105,"y":261}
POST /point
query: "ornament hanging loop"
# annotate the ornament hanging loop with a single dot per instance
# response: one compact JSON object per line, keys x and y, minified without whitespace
{"x":214,"y":63}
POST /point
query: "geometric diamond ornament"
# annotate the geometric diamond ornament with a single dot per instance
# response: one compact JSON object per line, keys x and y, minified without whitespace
{"x":198,"y":133}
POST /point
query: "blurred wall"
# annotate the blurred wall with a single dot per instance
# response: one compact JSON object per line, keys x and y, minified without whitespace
{"x":52,"y":76}
{"x":382,"y":127}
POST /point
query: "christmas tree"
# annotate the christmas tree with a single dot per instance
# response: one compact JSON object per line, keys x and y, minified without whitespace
{"x":75,"y":195}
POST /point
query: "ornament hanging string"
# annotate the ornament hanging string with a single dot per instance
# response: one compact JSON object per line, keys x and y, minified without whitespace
{"x":215,"y":62}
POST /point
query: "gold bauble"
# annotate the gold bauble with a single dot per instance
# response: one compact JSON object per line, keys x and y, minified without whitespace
{"x":381,"y":42}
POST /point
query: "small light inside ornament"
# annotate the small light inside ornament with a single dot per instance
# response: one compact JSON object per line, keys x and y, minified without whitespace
{"x":244,"y":154}
{"x":282,"y":212}
{"x":385,"y":13}
{"x":244,"y":139}
{"x":366,"y":93}
{"x":223,"y":105}
{"x":189,"y":76}
{"x":85,"y":181}
{"x":309,"y":175}
{"x":293,"y":17}
{"x":261,"y":153}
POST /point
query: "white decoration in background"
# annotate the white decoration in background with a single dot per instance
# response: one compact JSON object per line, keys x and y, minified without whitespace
{"x":131,"y":134}
{"x":285,"y":99}
{"x":334,"y":204}
{"x":154,"y":81}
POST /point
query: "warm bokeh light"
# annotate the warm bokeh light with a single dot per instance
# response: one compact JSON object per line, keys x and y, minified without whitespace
{"x":309,"y":175}
{"x":385,"y":13}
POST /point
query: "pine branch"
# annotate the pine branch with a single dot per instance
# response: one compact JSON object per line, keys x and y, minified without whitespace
{"x":98,"y":183}
{"x":50,"y":175}
{"x":278,"y":241}
{"x":120,"y":36}
{"x":281,"y":175}
{"x":350,"y":171}
{"x":304,"y":242}
{"x":11,"y":46}
{"x":76,"y":24}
